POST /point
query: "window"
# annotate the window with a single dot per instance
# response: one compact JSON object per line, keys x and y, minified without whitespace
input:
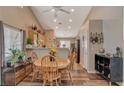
{"x":13,"y":38}
{"x":64,"y":44}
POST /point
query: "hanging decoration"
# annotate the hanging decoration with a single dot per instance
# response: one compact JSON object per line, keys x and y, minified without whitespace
{"x":96,"y":38}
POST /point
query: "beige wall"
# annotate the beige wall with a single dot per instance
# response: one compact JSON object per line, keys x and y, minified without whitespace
{"x":112,"y":25}
{"x":18,"y":17}
{"x":72,"y":40}
{"x":49,"y":40}
{"x":94,"y":26}
{"x":105,"y":12}
{"x":88,"y":49}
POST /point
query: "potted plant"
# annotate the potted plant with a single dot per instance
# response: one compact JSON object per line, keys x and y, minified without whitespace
{"x":29,"y":42}
{"x":8,"y":62}
{"x":52,"y":53}
{"x":13,"y":57}
{"x":21,"y":56}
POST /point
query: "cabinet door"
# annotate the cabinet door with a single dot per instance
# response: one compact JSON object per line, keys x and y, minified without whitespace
{"x":116,"y":69}
{"x":107,"y":67}
{"x":28,"y":69}
{"x":20,"y":74}
{"x":9,"y":78}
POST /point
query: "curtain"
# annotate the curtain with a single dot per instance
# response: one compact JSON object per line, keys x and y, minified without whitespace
{"x":24,"y":41}
{"x":13,"y":38}
{"x":1,"y":49}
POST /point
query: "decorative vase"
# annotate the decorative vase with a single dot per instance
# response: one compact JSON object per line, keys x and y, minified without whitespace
{"x":52,"y":54}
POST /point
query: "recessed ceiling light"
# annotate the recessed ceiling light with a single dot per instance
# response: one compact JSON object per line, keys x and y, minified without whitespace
{"x":56,"y":27}
{"x":54,"y":20}
{"x":21,"y":6}
{"x":70,"y":20}
{"x":72,"y":10}
{"x":53,"y":10}
{"x":69,"y":27}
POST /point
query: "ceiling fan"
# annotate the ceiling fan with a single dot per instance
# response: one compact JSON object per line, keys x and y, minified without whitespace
{"x":56,"y":9}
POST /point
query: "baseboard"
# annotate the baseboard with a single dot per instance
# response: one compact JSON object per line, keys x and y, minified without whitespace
{"x":87,"y":70}
{"x":81,"y":64}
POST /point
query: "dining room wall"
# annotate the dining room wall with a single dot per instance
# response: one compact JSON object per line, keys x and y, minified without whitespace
{"x":50,"y":36}
{"x":112,"y":27}
{"x":72,"y":40}
{"x":18,"y":17}
{"x":113,"y":35}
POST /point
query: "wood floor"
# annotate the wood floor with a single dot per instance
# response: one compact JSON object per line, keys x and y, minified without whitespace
{"x":79,"y":75}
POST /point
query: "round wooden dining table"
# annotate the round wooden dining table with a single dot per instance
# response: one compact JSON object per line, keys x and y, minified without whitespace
{"x":62,"y":66}
{"x":62,"y":63}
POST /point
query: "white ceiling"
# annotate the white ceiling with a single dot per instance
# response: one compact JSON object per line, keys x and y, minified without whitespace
{"x":63,"y":31}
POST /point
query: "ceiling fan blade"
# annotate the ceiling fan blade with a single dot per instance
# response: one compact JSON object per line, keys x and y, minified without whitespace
{"x":57,"y":7}
{"x":46,"y":11}
{"x":64,"y":11}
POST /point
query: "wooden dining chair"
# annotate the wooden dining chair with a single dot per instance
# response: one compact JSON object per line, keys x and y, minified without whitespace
{"x":34,"y":56}
{"x":50,"y":70}
{"x":67,"y":71}
{"x":72,"y":59}
{"x":36,"y":71}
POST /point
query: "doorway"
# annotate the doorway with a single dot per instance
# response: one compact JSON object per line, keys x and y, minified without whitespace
{"x":78,"y":51}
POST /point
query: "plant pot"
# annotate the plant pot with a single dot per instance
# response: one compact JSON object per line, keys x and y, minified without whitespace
{"x":20,"y":61}
{"x":8,"y":64}
{"x":52,"y":59}
{"x":29,"y":46}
